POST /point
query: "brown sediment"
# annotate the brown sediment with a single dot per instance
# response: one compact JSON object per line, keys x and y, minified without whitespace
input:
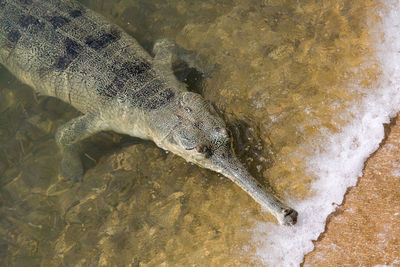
{"x":365,"y":229}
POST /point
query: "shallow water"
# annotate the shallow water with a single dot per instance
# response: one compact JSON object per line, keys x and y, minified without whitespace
{"x":289,"y":75}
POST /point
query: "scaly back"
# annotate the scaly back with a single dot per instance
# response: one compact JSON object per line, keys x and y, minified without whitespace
{"x":63,"y":49}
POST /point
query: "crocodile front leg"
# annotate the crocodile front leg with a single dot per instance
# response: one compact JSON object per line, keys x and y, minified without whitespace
{"x":167,"y":51}
{"x":68,"y":135}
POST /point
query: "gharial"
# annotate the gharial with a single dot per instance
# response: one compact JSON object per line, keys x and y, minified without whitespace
{"x":64,"y":50}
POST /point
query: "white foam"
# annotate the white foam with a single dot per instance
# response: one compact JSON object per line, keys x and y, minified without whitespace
{"x":340,"y":164}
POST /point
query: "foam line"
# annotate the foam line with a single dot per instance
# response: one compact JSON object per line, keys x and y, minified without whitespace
{"x":340,"y":165}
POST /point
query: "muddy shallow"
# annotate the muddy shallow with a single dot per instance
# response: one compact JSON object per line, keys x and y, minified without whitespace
{"x":281,"y":82}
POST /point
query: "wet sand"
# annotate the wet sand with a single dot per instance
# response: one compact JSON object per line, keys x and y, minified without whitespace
{"x":365,"y":230}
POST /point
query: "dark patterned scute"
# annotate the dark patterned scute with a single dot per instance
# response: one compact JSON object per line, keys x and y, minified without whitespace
{"x":26,"y":2}
{"x":75,"y":13}
{"x":103,"y":40}
{"x":127,"y":71}
{"x":27,"y":20}
{"x":114,"y":89}
{"x":13,"y":36}
{"x":149,"y":90}
{"x":131,"y":69}
{"x":72,"y":50}
{"x":59,"y":21}
{"x":162,"y":99}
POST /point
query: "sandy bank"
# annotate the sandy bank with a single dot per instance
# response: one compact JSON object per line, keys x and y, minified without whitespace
{"x":365,"y":230}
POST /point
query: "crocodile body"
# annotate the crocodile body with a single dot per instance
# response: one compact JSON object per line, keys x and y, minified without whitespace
{"x":64,"y":50}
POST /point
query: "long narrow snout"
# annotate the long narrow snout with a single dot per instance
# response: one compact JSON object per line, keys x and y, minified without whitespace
{"x":234,"y":170}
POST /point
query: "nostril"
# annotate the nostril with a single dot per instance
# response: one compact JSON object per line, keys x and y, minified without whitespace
{"x":201,"y":149}
{"x":286,"y":211}
{"x":290,"y":216}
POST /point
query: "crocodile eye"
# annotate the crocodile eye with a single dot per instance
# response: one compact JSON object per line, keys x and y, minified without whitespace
{"x":201,"y":149}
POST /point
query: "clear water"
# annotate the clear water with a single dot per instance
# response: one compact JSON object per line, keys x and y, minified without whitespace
{"x":299,"y":83}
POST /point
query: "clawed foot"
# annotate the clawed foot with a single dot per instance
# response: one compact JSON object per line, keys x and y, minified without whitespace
{"x":166,"y":51}
{"x":71,"y":167}
{"x":200,"y":63}
{"x":67,"y":136}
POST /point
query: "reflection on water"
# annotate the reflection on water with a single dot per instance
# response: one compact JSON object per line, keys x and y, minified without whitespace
{"x":280,"y":82}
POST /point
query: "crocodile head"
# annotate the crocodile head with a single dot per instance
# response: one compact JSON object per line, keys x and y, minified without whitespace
{"x":200,"y":136}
